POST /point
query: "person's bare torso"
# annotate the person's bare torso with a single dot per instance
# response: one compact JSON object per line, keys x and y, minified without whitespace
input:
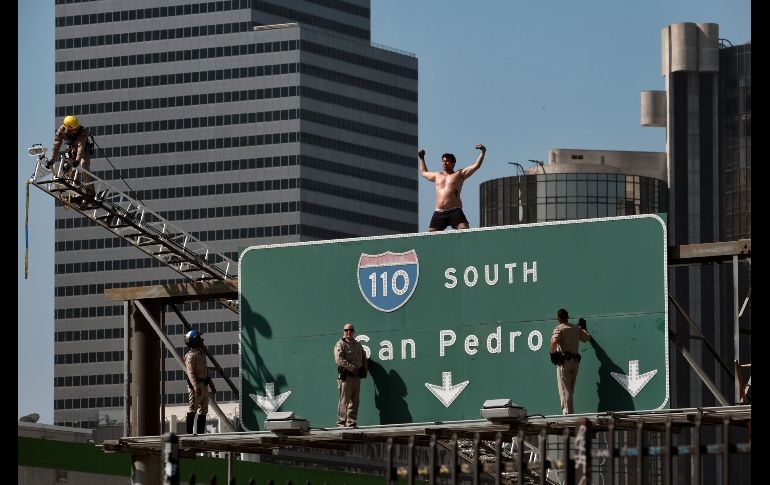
{"x":448,"y":187}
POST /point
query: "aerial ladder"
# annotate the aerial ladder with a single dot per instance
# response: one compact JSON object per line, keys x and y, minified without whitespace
{"x":136,"y":224}
{"x":130,"y":220}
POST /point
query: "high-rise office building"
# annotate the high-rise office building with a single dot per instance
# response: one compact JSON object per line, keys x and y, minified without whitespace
{"x":243,"y":122}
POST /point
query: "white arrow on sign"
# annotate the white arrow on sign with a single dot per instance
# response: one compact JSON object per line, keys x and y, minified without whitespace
{"x":270,"y":402}
{"x":633,"y":382}
{"x":447,"y":393}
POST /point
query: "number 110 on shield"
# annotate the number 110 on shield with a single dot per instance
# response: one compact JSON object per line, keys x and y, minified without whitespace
{"x":387,"y":280}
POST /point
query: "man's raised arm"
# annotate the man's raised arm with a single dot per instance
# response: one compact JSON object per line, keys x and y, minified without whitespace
{"x":424,"y":168}
{"x":468,"y":171}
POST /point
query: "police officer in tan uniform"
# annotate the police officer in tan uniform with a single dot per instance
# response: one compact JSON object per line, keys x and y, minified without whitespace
{"x":197,"y":379}
{"x":76,"y":137}
{"x":565,"y":341}
{"x":352,"y":366}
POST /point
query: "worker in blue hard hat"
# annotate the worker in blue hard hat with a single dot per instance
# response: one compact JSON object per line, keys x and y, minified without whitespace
{"x":197,"y":379}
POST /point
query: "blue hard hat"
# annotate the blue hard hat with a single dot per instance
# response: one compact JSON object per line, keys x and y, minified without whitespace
{"x":193,"y":338}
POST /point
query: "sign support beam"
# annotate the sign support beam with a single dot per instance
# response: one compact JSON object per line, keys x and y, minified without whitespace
{"x":170,"y":347}
{"x":698,"y":369}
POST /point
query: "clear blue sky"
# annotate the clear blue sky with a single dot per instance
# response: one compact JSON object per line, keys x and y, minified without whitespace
{"x":521,"y":77}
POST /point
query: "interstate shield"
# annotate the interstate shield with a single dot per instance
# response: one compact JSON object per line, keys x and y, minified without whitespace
{"x":387,"y":280}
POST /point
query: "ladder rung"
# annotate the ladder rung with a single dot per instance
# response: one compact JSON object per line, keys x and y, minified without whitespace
{"x":110,"y":216}
{"x":196,"y":268}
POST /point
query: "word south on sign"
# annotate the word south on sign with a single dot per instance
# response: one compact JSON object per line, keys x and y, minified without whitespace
{"x":492,"y":274}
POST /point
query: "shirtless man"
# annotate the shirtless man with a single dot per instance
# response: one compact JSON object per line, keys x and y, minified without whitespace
{"x":449,"y":207}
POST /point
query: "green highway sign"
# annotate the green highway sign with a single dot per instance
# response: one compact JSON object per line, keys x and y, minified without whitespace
{"x":452,"y":319}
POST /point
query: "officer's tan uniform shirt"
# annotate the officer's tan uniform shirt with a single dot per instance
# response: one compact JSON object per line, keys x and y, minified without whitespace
{"x":195,"y":362}
{"x":350,"y":355}
{"x":569,"y":337}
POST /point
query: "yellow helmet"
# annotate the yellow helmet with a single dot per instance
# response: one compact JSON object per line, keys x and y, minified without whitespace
{"x":71,"y":122}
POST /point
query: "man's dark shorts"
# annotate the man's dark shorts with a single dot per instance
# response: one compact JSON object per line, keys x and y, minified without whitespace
{"x":452,"y":217}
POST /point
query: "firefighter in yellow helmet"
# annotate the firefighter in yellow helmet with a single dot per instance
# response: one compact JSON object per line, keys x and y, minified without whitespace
{"x":75,"y":136}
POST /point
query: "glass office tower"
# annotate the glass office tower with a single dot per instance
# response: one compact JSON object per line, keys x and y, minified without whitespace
{"x":530,"y":198}
{"x":735,"y":141}
{"x":578,"y":184}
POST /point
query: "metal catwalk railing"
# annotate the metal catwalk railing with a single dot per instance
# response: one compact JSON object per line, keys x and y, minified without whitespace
{"x":575,"y":461}
{"x":693,"y":445}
